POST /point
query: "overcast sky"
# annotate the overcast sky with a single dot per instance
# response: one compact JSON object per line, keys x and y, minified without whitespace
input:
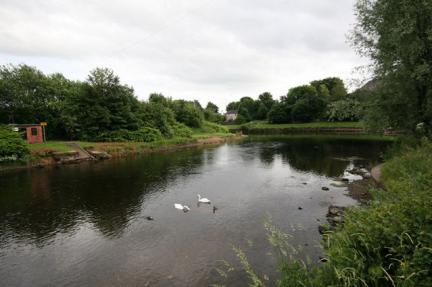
{"x":210,"y":50}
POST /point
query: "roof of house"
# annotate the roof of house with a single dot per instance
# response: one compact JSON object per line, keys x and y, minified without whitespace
{"x":231,"y":112}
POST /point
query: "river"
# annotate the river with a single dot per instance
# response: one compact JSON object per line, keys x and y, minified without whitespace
{"x":86,"y":224}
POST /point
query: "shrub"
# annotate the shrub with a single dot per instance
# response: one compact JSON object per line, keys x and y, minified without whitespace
{"x":209,"y":127}
{"x":387,"y":243}
{"x":182,"y":131}
{"x":344,"y":110}
{"x":12,"y":146}
{"x":144,"y":134}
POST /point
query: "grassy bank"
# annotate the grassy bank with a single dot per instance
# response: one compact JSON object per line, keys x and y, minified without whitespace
{"x":389,"y":242}
{"x":266,"y":125}
{"x":123,"y":148}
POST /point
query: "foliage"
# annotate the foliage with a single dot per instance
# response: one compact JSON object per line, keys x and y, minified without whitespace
{"x":397,"y":36}
{"x":99,"y":108}
{"x":156,"y":115}
{"x":182,"y":131}
{"x":388,"y":243}
{"x":304,"y":103}
{"x":347,"y":109}
{"x":188,"y":113}
{"x":278,"y":114}
{"x":331,"y":89}
{"x":12,"y":146}
{"x":209,"y":128}
{"x":145,"y":134}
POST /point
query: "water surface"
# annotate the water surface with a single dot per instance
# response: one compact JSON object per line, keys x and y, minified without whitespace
{"x":85,"y":225}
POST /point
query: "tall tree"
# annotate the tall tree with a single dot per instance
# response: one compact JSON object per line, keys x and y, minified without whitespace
{"x":397,"y":36}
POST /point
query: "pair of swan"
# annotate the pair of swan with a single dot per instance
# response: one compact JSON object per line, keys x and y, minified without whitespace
{"x":186,"y":208}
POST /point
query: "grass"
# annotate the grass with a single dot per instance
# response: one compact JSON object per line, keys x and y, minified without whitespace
{"x":389,"y":242}
{"x":124,"y":147}
{"x":386,"y":243}
{"x":360,"y":137}
{"x":266,"y":125}
{"x":55,"y":146}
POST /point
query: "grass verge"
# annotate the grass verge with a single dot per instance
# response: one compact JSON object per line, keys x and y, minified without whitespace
{"x":266,"y":125}
{"x":389,"y":242}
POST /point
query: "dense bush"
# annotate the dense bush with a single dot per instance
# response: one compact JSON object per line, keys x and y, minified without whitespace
{"x":182,"y":131}
{"x":278,"y":114}
{"x":344,"y":110}
{"x":144,"y":134}
{"x":209,"y":127}
{"x":388,"y":243}
{"x":12,"y":146}
{"x":187,"y":113}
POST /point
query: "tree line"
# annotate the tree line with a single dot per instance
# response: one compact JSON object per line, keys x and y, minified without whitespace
{"x":101,"y":108}
{"x":321,"y":100}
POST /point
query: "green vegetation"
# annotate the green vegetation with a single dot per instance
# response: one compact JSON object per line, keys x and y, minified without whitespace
{"x":389,"y":242}
{"x":54,"y":146}
{"x":98,"y":109}
{"x":397,"y":36}
{"x":12,"y":146}
{"x":265,"y":125}
{"x":322,"y":100}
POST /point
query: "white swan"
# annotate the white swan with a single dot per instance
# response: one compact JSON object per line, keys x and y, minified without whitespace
{"x":203,"y":200}
{"x":185,"y":208}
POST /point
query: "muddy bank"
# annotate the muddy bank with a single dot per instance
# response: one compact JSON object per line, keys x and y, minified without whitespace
{"x":106,"y":151}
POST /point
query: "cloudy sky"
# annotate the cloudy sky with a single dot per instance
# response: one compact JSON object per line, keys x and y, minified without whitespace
{"x":210,"y":50}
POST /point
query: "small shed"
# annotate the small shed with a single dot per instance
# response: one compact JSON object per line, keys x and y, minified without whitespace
{"x":33,"y":134}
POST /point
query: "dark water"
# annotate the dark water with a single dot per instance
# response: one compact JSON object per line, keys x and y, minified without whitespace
{"x":85,"y":225}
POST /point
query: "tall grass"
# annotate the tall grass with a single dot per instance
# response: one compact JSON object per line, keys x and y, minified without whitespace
{"x":387,"y":243}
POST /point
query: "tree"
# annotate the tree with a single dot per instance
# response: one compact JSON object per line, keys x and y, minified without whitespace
{"x":212,"y":107}
{"x":233,"y":106}
{"x":188,"y":113}
{"x":266,"y":99}
{"x":12,"y":146}
{"x":278,"y":114}
{"x":103,"y":105}
{"x":304,"y":103}
{"x":397,"y":36}
{"x":332,"y":89}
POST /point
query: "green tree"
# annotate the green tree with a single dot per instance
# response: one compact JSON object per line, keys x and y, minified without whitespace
{"x":305,"y":104}
{"x":188,"y":113}
{"x":332,"y":89}
{"x":278,"y":114}
{"x":397,"y":36}
{"x":103,"y":105}
{"x":12,"y":146}
{"x":212,"y":107}
{"x":266,"y":99}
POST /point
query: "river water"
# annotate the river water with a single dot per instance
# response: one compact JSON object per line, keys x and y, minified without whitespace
{"x":86,"y":225}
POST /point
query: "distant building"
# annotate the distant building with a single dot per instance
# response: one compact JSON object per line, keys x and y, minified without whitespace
{"x":231,"y":116}
{"x":33,"y":134}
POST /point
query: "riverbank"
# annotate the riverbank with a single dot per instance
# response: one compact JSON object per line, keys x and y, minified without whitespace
{"x":61,"y":152}
{"x":386,"y":243}
{"x":335,"y":128}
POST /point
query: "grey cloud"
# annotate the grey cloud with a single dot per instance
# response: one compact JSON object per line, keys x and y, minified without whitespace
{"x":205,"y":49}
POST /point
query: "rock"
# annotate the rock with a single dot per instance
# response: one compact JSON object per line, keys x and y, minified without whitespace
{"x":304,"y":183}
{"x":334,"y":210}
{"x":300,"y":208}
{"x":150,"y":218}
{"x":322,"y":229}
{"x":323,"y":259}
{"x":339,"y":184}
{"x":99,"y":155}
{"x":325,"y":188}
{"x":345,"y":179}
